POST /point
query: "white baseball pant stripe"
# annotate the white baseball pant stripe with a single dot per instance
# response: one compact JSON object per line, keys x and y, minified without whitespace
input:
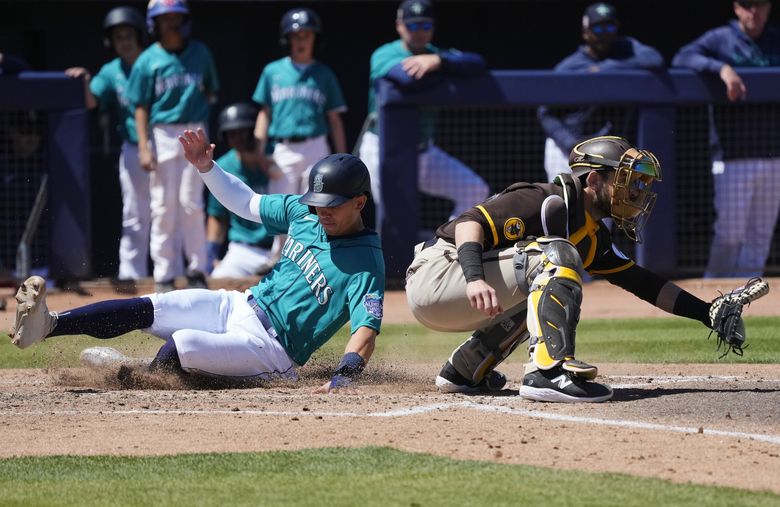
{"x":438,"y":174}
{"x":241,"y":260}
{"x":136,"y":215}
{"x":747,"y":200}
{"x":218,"y":333}
{"x":295,"y":161}
{"x":177,"y":206}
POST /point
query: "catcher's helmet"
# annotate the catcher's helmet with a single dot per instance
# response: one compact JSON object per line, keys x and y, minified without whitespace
{"x":632,"y":200}
{"x":123,"y":16}
{"x":240,"y":115}
{"x":296,"y":20}
{"x":336,"y":179}
{"x":160,"y":7}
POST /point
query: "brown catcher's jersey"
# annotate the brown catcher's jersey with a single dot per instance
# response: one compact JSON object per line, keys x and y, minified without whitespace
{"x":530,"y":210}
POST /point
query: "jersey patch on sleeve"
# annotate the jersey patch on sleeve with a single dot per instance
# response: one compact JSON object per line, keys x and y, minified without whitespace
{"x":373,"y":304}
{"x":514,"y":229}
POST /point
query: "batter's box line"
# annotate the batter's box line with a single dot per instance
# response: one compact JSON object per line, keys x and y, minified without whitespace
{"x":653,"y":380}
{"x":423,"y":409}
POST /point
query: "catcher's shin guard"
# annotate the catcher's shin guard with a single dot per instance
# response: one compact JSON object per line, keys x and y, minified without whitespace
{"x":486,"y":349}
{"x":554,"y":299}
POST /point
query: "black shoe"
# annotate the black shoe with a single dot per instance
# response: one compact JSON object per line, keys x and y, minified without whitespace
{"x":196,"y":280}
{"x":560,"y":386}
{"x":164,"y":286}
{"x":450,"y":381}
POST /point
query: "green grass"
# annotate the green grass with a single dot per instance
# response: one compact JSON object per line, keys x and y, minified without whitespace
{"x":335,"y":477}
{"x":650,"y":340}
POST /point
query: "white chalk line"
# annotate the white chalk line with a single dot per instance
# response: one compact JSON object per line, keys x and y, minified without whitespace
{"x":422,"y":409}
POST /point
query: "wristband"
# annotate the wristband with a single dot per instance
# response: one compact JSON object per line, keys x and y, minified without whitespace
{"x":351,"y":366}
{"x":340,"y":381}
{"x":470,"y":258}
{"x":212,"y":253}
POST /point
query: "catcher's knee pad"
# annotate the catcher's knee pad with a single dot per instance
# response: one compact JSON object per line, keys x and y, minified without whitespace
{"x":486,"y":349}
{"x":554,"y":299}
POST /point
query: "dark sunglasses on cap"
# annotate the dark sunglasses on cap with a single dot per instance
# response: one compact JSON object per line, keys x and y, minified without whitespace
{"x":604,"y":28}
{"x":747,"y":4}
{"x":415,"y":26}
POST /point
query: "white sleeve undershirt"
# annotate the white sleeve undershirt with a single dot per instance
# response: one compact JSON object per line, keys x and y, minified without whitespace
{"x":233,"y":193}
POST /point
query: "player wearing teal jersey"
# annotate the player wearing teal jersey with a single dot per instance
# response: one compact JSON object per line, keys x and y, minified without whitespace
{"x":249,"y":249}
{"x":123,"y":30}
{"x":331,"y":272}
{"x":171,"y":86}
{"x":301,"y":102}
{"x":406,"y":60}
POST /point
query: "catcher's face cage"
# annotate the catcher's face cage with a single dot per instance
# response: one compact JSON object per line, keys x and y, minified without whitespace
{"x":632,"y":200}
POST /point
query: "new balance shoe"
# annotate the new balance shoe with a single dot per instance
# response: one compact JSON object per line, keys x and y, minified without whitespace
{"x":33,"y":321}
{"x":450,"y":381}
{"x":102,"y":357}
{"x":560,"y":386}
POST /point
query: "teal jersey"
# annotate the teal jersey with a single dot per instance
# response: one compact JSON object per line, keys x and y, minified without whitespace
{"x":299,"y":99}
{"x":241,"y":229}
{"x":175,"y":86}
{"x":320,"y":282}
{"x":385,"y":58}
{"x":109,"y":86}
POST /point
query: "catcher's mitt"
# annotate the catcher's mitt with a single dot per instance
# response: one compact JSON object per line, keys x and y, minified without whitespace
{"x":726,"y":315}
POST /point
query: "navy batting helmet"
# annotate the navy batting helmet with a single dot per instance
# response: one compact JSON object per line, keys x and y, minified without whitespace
{"x":336,"y":179}
{"x":160,"y":7}
{"x":240,"y":115}
{"x":123,"y":16}
{"x":299,"y":19}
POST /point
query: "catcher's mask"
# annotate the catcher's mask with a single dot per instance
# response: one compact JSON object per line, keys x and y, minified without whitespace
{"x":635,"y":172}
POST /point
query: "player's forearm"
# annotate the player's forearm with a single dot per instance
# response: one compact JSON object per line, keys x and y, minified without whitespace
{"x":142,"y":126}
{"x":469,"y":231}
{"x":216,"y":229}
{"x":362,"y":343}
{"x":233,"y":193}
{"x":261,"y":129}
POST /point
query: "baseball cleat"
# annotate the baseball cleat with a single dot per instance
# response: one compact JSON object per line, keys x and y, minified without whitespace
{"x":560,"y":386}
{"x":33,"y":321}
{"x":450,"y":381}
{"x":102,"y":357}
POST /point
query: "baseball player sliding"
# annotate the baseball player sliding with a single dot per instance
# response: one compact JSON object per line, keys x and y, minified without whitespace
{"x":331,"y":272}
{"x":509,"y":268}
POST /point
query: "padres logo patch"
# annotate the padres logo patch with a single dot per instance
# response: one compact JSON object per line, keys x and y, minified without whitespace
{"x":514,"y":229}
{"x":373,"y":305}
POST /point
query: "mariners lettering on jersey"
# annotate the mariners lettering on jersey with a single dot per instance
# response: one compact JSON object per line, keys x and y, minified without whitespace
{"x":304,"y":259}
{"x":297,"y":91}
{"x":163,"y":84}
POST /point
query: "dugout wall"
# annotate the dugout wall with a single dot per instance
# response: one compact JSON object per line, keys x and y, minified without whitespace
{"x":43,"y":146}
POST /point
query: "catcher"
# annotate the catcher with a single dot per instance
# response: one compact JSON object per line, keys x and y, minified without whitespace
{"x":509,"y":268}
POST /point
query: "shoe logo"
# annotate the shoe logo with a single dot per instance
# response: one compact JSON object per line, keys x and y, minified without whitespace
{"x":563,"y":381}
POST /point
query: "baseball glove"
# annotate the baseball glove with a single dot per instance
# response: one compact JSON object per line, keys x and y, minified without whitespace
{"x":726,"y":315}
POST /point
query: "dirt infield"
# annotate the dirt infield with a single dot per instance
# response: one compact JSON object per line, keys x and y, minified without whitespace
{"x":709,"y":424}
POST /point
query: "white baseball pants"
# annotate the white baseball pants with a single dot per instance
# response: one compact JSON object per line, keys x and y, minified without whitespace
{"x":555,"y":160}
{"x":217,"y":333}
{"x":177,"y":206}
{"x":296,"y":160}
{"x":134,"y":182}
{"x":747,"y":200}
{"x":242,"y":260}
{"x":438,"y":174}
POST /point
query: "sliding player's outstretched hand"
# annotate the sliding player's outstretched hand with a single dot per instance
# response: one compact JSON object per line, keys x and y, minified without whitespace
{"x":197,"y":149}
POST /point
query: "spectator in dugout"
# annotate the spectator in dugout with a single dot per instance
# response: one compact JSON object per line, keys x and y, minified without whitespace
{"x":604,"y":50}
{"x":407,"y":61}
{"x":745,"y":157}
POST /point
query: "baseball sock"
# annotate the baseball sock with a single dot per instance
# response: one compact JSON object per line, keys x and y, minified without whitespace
{"x":106,"y":319}
{"x":167,"y":358}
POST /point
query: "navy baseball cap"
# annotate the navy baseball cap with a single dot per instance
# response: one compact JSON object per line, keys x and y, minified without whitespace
{"x":415,"y":10}
{"x":599,"y":13}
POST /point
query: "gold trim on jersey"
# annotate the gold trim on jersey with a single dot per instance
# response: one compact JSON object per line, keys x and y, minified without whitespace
{"x":589,"y":230}
{"x":490,"y":222}
{"x":613,"y":270}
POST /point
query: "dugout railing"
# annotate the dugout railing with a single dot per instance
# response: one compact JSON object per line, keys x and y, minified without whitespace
{"x":490,"y":123}
{"x":44,"y":163}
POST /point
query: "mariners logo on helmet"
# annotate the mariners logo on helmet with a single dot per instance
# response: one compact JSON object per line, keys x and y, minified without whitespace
{"x":318,"y":184}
